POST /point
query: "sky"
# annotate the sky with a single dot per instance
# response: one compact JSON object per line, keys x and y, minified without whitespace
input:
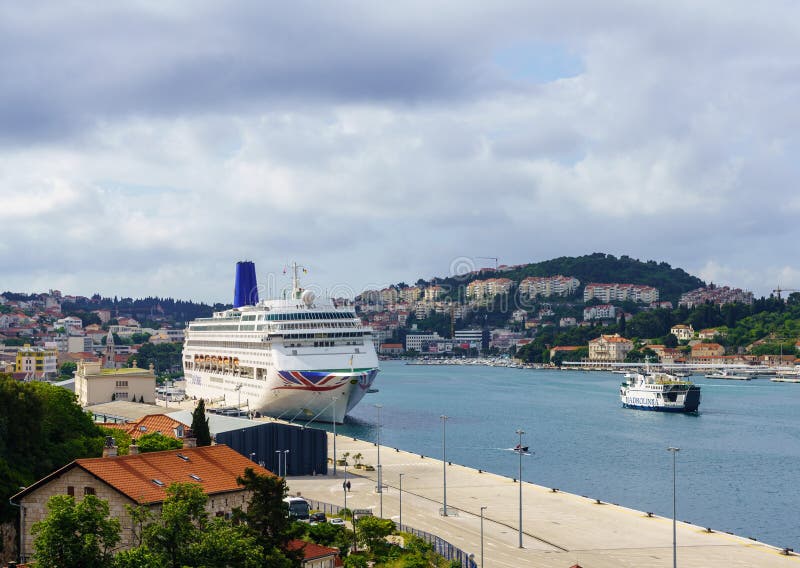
{"x":145,"y":147}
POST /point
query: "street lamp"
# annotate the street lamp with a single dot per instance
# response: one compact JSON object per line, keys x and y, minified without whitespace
{"x":520,"y":432}
{"x":286,"y":463}
{"x":252,"y":456}
{"x":239,"y":406}
{"x":344,"y":485}
{"x":482,"y":510}
{"x":674,"y":539}
{"x":333,"y":401}
{"x":380,"y":472}
{"x":401,"y":501}
{"x":444,"y":462}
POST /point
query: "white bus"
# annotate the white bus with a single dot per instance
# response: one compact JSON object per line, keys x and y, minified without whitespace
{"x":298,"y":508}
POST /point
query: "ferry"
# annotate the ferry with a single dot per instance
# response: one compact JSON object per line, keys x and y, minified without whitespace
{"x":656,"y":390}
{"x":297,"y":356}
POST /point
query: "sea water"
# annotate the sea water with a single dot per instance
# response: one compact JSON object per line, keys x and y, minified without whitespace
{"x":737,"y":468}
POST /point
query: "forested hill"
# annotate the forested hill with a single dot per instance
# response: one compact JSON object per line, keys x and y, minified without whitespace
{"x":604,"y":268}
{"x":600,"y":267}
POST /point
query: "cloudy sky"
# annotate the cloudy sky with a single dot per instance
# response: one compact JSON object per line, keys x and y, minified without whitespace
{"x":146,"y":147}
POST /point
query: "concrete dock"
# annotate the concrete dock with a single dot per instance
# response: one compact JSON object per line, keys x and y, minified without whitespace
{"x":559,"y":529}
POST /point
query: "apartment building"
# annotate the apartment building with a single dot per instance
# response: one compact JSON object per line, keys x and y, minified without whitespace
{"x":38,"y":362}
{"x":547,"y":286}
{"x":620,"y":293}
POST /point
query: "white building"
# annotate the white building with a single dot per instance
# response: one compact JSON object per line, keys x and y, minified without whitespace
{"x":620,"y":292}
{"x":681,"y":331}
{"x":415,"y":341}
{"x":601,"y":311}
{"x":71,"y":324}
{"x":549,"y":286}
{"x":94,"y":385}
{"x":79,"y":344}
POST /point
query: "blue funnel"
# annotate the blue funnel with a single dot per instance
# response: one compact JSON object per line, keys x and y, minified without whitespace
{"x":245,"y":292}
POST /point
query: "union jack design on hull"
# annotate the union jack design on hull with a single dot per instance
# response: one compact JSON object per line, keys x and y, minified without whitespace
{"x":311,"y":380}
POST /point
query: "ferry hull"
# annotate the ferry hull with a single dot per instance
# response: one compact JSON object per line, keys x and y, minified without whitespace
{"x":688,"y":401}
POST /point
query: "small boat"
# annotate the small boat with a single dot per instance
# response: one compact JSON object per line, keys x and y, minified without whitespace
{"x":726,"y":375}
{"x":519,"y":448}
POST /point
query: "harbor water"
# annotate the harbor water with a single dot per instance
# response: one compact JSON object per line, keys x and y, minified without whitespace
{"x":737,"y":468}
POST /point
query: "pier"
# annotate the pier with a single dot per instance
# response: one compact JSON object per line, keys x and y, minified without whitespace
{"x":559,"y":529}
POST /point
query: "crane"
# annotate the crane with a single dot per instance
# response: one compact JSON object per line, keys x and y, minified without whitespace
{"x":494,"y":258}
{"x":777,"y":291}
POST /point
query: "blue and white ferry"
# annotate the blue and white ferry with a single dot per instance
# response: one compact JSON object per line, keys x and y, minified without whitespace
{"x":656,"y":390}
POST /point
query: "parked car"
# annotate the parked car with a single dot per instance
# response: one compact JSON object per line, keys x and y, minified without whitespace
{"x":318,"y":517}
{"x":336,"y":521}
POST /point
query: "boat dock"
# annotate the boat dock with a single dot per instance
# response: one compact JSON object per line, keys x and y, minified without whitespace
{"x":559,"y":529}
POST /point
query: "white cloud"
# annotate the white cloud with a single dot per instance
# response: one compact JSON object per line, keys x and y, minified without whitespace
{"x":145,"y":160}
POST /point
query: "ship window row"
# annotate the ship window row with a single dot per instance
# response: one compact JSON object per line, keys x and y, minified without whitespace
{"x":316,"y":326}
{"x":225,"y":344}
{"x":322,"y":335}
{"x":309,"y":316}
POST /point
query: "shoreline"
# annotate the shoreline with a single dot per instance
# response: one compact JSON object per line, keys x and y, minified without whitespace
{"x":559,"y":528}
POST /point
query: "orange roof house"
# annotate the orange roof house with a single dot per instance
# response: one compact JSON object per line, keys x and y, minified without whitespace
{"x":160,"y":423}
{"x":140,"y":479}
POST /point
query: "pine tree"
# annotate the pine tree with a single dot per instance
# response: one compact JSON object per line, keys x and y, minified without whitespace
{"x":200,"y":424}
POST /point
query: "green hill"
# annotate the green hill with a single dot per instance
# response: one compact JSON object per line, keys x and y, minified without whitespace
{"x":597,"y":267}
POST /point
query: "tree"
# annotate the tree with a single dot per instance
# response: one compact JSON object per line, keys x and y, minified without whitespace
{"x":67,"y":368}
{"x":372,"y":532}
{"x":75,"y":534}
{"x":41,"y":429}
{"x":622,"y":325}
{"x":200,"y":424}
{"x":158,"y":442}
{"x":267,"y":515}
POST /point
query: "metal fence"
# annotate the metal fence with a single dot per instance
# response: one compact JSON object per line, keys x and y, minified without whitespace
{"x":440,"y":546}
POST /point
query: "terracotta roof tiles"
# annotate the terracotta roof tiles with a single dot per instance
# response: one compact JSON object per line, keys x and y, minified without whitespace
{"x":217,"y":468}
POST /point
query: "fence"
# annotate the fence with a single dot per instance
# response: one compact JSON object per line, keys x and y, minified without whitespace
{"x":440,"y":546}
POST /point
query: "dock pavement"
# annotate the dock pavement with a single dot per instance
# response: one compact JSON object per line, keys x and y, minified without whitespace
{"x":560,"y":529}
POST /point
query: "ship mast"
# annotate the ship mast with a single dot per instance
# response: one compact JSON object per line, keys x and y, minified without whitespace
{"x":296,"y":280}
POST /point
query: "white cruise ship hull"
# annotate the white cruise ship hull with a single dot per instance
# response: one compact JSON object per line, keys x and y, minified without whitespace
{"x":325,"y":396}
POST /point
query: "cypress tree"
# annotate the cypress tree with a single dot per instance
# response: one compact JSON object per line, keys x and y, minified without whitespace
{"x":200,"y":424}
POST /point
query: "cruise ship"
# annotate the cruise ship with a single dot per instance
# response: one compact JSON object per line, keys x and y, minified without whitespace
{"x":656,"y":390}
{"x":297,"y":357}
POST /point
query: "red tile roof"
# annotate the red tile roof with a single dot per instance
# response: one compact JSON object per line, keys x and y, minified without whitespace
{"x":160,"y":423}
{"x":216,"y":469}
{"x":312,"y":550}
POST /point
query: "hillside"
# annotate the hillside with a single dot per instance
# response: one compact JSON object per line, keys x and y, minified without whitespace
{"x":597,"y":267}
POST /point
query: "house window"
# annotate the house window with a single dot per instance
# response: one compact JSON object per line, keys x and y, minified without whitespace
{"x":88,"y":490}
{"x":71,"y":490}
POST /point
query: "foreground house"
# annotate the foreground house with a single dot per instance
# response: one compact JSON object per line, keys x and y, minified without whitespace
{"x":140,"y":479}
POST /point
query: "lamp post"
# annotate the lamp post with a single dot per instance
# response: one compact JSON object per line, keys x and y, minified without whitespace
{"x":482,"y":510}
{"x":238,"y":389}
{"x":674,"y":535}
{"x":252,"y":456}
{"x":333,"y":400}
{"x":286,"y":463}
{"x":344,"y":485}
{"x":444,"y":463}
{"x":520,"y":432}
{"x":380,"y":472}
{"x":401,"y":501}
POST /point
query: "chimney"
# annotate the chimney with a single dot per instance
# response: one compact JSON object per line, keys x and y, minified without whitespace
{"x":109,"y":448}
{"x":189,"y":439}
{"x":133,"y":449}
